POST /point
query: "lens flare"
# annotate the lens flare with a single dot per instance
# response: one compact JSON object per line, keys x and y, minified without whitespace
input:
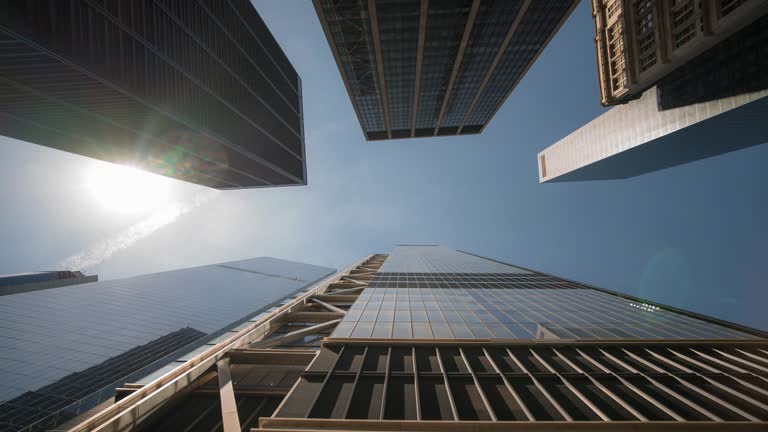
{"x":126,"y":189}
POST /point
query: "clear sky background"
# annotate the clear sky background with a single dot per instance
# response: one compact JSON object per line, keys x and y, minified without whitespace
{"x":693,"y":236}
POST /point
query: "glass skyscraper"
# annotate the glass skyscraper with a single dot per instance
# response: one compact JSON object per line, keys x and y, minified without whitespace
{"x":64,"y":350}
{"x":417,"y":68}
{"x":435,"y":292}
{"x":428,"y":338}
{"x":197,"y":91}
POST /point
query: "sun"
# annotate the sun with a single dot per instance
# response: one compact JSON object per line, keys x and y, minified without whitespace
{"x":125,"y":189}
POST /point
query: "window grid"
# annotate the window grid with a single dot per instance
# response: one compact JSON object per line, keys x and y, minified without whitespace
{"x":515,"y":306}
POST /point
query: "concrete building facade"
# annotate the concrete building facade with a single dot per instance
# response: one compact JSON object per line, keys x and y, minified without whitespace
{"x":638,"y":42}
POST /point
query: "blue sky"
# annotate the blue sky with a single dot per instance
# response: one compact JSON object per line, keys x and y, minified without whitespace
{"x":692,"y":236}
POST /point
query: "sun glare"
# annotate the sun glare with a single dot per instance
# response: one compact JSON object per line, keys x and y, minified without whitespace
{"x":126,"y":189}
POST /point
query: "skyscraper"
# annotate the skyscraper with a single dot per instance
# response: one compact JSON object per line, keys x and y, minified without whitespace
{"x":64,"y":350}
{"x":639,"y":137}
{"x":418,"y":68}
{"x":639,"y":42}
{"x":713,"y":104}
{"x":198,"y":91}
{"x":428,"y":338}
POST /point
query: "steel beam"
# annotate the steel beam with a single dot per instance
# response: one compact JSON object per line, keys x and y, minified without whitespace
{"x":229,"y":417}
{"x":423,"y":11}
{"x":457,"y":63}
{"x":512,"y":29}
{"x":288,"y":337}
{"x":330,"y":307}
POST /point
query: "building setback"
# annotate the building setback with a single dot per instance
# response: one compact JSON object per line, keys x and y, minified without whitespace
{"x":639,"y":42}
{"x":428,"y":338}
{"x":64,"y":350}
{"x":418,"y":68}
{"x":198,"y":91}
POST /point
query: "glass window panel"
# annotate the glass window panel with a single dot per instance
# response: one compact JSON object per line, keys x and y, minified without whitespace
{"x":382,"y":330}
{"x":369,"y":315}
{"x":460,"y":330}
{"x":402,"y":331}
{"x":386,"y":315}
{"x":419,"y":316}
{"x":402,"y":316}
{"x":441,"y":330}
{"x":435,"y":316}
{"x":452,"y":316}
{"x":422,"y":331}
{"x":363,"y":330}
{"x":480,"y":331}
{"x":470,"y":317}
{"x":344,"y":329}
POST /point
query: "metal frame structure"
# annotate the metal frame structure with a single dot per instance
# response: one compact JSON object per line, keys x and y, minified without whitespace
{"x":281,"y":341}
{"x":530,"y":385}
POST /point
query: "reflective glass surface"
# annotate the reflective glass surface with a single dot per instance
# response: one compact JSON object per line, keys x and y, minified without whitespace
{"x":463,"y":84}
{"x":440,"y":259}
{"x":52,"y":337}
{"x":435,"y":292}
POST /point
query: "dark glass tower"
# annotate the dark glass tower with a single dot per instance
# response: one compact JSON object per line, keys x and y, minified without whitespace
{"x":417,"y":68}
{"x":432,"y":339}
{"x":198,"y":91}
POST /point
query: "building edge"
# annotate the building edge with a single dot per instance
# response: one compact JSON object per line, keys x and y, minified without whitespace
{"x":728,"y":324}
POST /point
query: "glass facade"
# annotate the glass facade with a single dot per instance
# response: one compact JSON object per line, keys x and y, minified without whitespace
{"x":51,"y":340}
{"x":493,"y":21}
{"x":445,"y":28}
{"x":460,"y":87}
{"x":425,"y":292}
{"x":443,"y":335}
{"x":348,"y":21}
{"x":432,"y":335}
{"x":537,"y":26}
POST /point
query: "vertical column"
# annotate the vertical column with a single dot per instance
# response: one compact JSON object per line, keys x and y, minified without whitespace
{"x":379,"y":63}
{"x":229,"y":417}
{"x":457,"y":62}
{"x":423,"y":12}
{"x":447,"y":385}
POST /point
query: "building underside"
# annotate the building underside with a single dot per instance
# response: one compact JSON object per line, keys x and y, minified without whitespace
{"x":420,"y":68}
{"x":196,"y":91}
{"x":286,"y":372}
